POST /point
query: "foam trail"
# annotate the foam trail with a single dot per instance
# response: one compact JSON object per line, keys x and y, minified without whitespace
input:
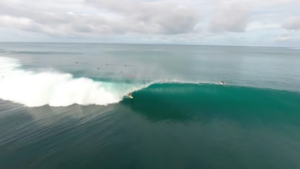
{"x":35,"y":89}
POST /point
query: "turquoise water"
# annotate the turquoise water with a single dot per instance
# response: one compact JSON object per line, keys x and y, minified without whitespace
{"x":63,"y":106}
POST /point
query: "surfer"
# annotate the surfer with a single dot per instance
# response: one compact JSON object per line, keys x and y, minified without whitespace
{"x":223,"y":83}
{"x":130,"y":95}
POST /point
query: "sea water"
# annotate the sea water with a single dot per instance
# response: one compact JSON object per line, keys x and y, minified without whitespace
{"x":63,"y":106}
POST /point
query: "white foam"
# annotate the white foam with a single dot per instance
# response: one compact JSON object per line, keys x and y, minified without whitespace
{"x":35,"y":89}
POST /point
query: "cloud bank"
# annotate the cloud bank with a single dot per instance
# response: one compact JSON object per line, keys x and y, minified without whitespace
{"x":112,"y":17}
{"x":151,"y":21}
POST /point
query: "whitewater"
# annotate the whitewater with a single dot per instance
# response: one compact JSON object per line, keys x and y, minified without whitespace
{"x":56,"y":89}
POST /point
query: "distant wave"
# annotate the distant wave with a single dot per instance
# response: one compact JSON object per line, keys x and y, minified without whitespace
{"x":56,"y":89}
{"x":44,"y":52}
{"x":2,"y":51}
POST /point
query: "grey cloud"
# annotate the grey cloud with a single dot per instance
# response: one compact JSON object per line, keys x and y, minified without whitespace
{"x":232,"y":19}
{"x":152,"y":17}
{"x":292,"y":23}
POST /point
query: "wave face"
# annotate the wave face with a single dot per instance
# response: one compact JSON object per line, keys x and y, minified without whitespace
{"x":183,"y":102}
{"x":55,"y":89}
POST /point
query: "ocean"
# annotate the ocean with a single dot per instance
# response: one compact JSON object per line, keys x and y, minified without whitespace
{"x":64,"y":106}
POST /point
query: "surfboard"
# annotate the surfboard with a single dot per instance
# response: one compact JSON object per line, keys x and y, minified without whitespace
{"x":130,"y":97}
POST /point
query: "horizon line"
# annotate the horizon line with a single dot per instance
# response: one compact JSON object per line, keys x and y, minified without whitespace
{"x":183,"y":44}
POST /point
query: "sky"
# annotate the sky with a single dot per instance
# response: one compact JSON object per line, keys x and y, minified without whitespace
{"x":203,"y":22}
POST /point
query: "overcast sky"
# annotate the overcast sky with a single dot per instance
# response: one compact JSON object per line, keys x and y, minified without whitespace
{"x":208,"y":22}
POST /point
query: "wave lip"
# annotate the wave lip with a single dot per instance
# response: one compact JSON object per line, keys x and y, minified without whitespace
{"x":35,"y":89}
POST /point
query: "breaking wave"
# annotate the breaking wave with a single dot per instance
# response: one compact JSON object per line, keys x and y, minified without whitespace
{"x":35,"y":89}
